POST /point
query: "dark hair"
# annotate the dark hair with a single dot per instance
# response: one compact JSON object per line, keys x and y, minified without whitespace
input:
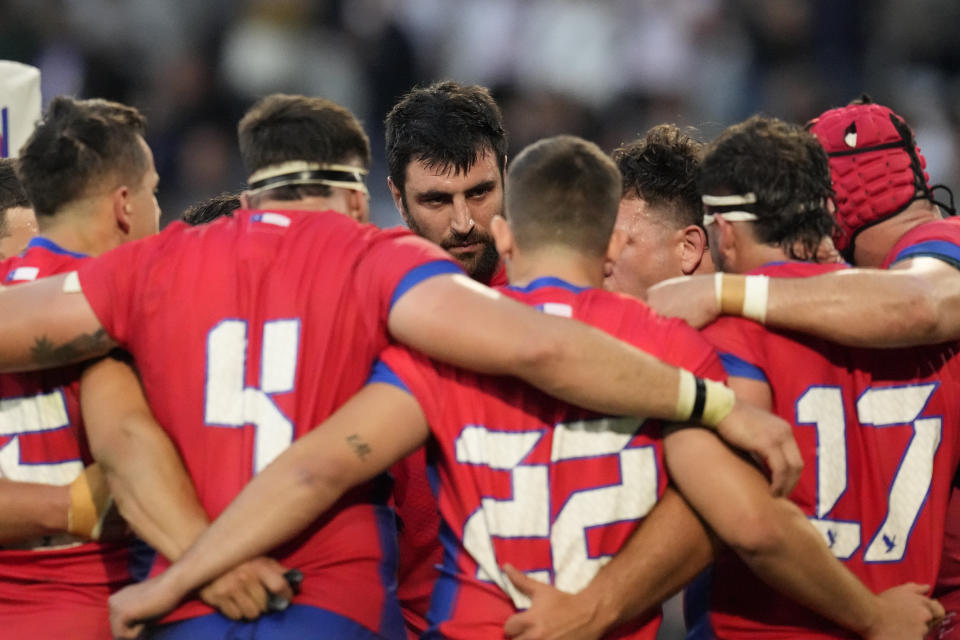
{"x":446,"y":126}
{"x":78,"y":146}
{"x":282,"y":128}
{"x":787,"y":170}
{"x":663,"y":168}
{"x":563,"y":190}
{"x":211,"y":209}
{"x":11,"y":192}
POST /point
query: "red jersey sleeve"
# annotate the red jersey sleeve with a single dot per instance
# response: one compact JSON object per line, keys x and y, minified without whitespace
{"x":113,"y":281}
{"x":395,"y":262}
{"x":412,"y":372}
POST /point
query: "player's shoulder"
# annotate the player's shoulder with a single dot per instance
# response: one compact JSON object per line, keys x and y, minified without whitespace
{"x":41,"y":258}
{"x":936,"y":238}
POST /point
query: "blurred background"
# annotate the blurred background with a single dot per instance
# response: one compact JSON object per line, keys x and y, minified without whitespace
{"x":604,"y":69}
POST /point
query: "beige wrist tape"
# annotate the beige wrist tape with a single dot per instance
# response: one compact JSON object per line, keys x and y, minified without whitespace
{"x":706,"y":402}
{"x":89,"y":502}
{"x":742,"y":295}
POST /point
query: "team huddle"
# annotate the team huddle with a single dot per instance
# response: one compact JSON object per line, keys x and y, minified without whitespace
{"x":577,"y":385}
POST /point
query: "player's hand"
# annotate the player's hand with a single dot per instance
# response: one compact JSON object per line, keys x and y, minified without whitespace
{"x":243,"y":592}
{"x":905,"y":612}
{"x":132,"y":607}
{"x":552,"y":615}
{"x":769,"y":439}
{"x":692,"y":298}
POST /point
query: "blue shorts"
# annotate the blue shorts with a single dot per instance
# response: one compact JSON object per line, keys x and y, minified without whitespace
{"x":296,"y":621}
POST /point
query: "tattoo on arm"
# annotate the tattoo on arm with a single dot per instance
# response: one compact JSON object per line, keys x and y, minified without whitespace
{"x":45,"y":352}
{"x":361,"y":448}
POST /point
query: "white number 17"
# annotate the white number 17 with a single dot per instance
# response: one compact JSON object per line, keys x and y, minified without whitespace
{"x":877,"y":408}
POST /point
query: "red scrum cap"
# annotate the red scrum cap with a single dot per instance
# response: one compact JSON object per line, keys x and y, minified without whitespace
{"x":875,"y":165}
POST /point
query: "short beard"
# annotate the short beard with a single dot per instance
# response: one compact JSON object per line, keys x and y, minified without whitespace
{"x":487,"y":262}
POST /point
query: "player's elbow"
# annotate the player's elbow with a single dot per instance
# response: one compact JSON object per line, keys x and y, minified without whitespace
{"x":761,"y":532}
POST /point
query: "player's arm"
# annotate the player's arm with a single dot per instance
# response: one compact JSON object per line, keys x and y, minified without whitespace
{"x":147,"y":478}
{"x":43,"y":325}
{"x":774,"y":538}
{"x":30,"y":510}
{"x":669,"y":548}
{"x":368,"y":434}
{"x":455,"y":320}
{"x":153,"y":491}
{"x":916,"y":302}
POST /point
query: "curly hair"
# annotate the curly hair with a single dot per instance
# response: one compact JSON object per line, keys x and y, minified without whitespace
{"x":663,"y":168}
{"x":786,"y":168}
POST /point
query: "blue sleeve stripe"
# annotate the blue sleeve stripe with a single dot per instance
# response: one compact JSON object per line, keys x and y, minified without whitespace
{"x":383,"y":373}
{"x":940,"y":249}
{"x":741,"y":368}
{"x":420,"y":273}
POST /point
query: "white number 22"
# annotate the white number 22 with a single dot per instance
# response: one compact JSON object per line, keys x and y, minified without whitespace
{"x":877,"y":408}
{"x":526,"y":514}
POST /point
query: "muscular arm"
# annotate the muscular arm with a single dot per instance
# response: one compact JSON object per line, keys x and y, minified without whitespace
{"x":455,"y":320}
{"x":44,"y":327}
{"x":29,"y":510}
{"x":916,"y":302}
{"x":377,"y":427}
{"x":771,"y":534}
{"x":146,"y":476}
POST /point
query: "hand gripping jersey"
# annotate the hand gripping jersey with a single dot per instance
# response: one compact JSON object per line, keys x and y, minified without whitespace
{"x":57,"y":586}
{"x":250,"y":331}
{"x":526,"y":479}
{"x":941,"y":240}
{"x":880,"y":440}
{"x":420,"y":552}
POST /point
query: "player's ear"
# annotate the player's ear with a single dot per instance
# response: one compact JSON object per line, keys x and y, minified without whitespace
{"x":502,"y":237}
{"x":121,"y":208}
{"x":692,"y":248}
{"x":398,"y":200}
{"x":358,"y":206}
{"x":618,"y":240}
{"x":245,"y":200}
{"x":726,"y":238}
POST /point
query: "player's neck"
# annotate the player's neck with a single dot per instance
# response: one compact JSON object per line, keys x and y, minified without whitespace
{"x":556,"y":262}
{"x":80,"y":230}
{"x":754,"y":256}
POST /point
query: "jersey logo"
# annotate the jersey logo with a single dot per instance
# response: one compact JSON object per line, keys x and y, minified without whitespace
{"x":268,"y":217}
{"x":23,"y":273}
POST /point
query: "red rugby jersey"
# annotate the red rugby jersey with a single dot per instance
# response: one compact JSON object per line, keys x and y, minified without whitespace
{"x":880,"y":442}
{"x":249,"y":332}
{"x":55,"y":586}
{"x":526,"y":479}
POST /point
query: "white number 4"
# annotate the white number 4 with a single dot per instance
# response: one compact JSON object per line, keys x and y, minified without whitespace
{"x":230,"y":403}
{"x":877,"y":408}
